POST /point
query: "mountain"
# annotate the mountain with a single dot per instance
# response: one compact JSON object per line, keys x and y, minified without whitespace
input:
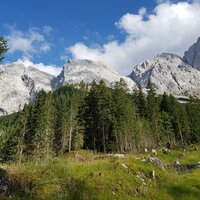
{"x":19,"y":84}
{"x":76,"y":71}
{"x":171,"y":73}
{"x":192,"y":55}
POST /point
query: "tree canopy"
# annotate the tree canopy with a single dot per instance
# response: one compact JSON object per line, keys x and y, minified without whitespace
{"x":3,"y":47}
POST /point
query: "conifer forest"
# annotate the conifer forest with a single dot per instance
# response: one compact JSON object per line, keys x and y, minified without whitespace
{"x":97,"y":118}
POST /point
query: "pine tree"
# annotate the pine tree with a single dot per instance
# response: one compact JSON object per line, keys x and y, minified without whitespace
{"x":68,"y":134}
{"x":165,"y":104}
{"x":123,"y":118}
{"x":95,"y":117}
{"x":153,"y":110}
{"x":193,"y":110}
{"x":167,"y":131}
{"x":140,"y":102}
{"x":39,"y":138}
{"x":13,"y":146}
{"x":3,"y":48}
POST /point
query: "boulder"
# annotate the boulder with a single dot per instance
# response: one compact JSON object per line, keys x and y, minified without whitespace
{"x":156,"y":161}
{"x":119,"y":155}
{"x":192,"y":55}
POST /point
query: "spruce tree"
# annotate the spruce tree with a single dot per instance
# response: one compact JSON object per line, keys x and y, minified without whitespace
{"x":153,"y":110}
{"x":123,"y":118}
{"x":140,"y":102}
{"x":3,"y":48}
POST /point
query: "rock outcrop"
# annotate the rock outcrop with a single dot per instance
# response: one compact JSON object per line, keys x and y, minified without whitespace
{"x":76,"y":71}
{"x":169,"y":73}
{"x":19,"y":84}
{"x":192,"y":55}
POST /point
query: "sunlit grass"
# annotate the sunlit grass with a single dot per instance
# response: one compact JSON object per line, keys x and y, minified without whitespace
{"x":103,"y":177}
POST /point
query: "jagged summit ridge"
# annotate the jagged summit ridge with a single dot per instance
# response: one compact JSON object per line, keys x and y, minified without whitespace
{"x":87,"y":71}
{"x":20,"y":84}
{"x":169,"y":73}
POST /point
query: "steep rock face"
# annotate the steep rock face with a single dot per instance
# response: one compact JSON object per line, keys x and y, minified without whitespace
{"x":169,"y":74}
{"x":76,"y":71}
{"x":19,"y":84}
{"x":192,"y":55}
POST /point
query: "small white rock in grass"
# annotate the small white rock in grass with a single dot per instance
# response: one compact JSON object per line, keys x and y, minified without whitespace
{"x":154,"y":152}
{"x":176,"y":163}
{"x":121,"y":156}
{"x":153,"y":175}
{"x":123,"y":165}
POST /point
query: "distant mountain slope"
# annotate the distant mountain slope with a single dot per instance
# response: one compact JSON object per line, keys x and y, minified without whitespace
{"x":76,"y":71}
{"x":192,"y":55}
{"x":18,"y":84}
{"x":169,"y":74}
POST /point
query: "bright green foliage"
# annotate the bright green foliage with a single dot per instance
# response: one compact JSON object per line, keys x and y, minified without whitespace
{"x":67,"y":177}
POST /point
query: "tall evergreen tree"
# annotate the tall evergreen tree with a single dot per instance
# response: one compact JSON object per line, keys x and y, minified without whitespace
{"x":3,"y":47}
{"x":153,"y":110}
{"x":140,"y":102}
{"x":123,"y":117}
{"x":193,"y":110}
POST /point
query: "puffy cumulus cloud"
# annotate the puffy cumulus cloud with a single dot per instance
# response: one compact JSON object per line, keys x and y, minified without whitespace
{"x":172,"y":27}
{"x":50,"y":69}
{"x":29,"y":43}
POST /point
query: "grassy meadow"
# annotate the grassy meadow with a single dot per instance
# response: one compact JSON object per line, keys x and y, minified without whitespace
{"x":100,"y":176}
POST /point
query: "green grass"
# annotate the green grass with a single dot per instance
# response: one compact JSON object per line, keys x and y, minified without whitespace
{"x":105,"y":178}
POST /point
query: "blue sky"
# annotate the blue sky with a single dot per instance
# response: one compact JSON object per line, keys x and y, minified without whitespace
{"x":117,"y":32}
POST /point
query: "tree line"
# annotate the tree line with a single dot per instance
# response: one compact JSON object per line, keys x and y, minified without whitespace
{"x":97,"y":118}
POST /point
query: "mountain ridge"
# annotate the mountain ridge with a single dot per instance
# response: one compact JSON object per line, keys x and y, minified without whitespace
{"x":168,"y":72}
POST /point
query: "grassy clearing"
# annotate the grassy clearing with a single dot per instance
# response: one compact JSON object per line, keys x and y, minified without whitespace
{"x":104,"y":177}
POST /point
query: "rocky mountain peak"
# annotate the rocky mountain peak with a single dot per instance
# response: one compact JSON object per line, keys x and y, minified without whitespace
{"x":169,"y":74}
{"x":84,"y":70}
{"x":192,"y":55}
{"x":19,"y":84}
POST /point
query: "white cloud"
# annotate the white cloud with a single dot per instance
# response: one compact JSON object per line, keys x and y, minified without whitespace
{"x":29,"y":42}
{"x":50,"y":69}
{"x":172,"y":27}
{"x":47,"y":29}
{"x":45,"y":47}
